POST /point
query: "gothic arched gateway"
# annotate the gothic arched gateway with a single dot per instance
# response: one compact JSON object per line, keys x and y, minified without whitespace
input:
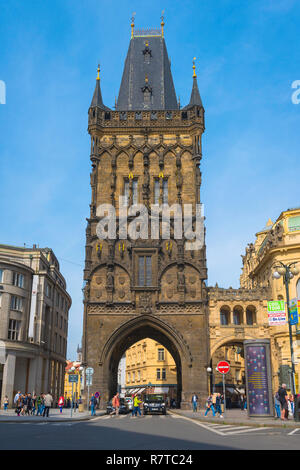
{"x":148,"y":151}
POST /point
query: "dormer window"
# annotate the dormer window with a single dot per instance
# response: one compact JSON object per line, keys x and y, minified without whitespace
{"x":147,"y":53}
{"x":147,"y":91}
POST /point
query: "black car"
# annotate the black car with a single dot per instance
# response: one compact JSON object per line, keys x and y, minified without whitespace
{"x":154,"y":404}
{"x":123,"y":410}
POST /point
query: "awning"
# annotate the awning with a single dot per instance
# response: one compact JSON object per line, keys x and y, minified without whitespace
{"x":141,"y":389}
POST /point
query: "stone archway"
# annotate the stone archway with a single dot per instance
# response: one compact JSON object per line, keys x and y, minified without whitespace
{"x":136,"y":329}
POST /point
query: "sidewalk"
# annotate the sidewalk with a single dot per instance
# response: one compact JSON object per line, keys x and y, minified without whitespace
{"x":237,"y":417}
{"x":54,"y":416}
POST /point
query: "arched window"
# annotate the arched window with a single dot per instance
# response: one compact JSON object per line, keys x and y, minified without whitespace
{"x":224,"y":315}
{"x":237,"y":315}
{"x":250,"y":315}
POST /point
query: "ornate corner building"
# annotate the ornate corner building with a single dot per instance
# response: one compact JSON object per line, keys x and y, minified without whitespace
{"x":148,"y":150}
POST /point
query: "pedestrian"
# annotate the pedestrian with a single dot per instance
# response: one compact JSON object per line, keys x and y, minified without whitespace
{"x":61,"y":402}
{"x":209,"y":406}
{"x":136,"y":406}
{"x":282,"y":393}
{"x":39,"y":405}
{"x":290,"y":404}
{"x":48,"y":400}
{"x":194,"y":402}
{"x":116,"y":405}
{"x":29,"y":404}
{"x":218,"y":405}
{"x":24,"y":404}
{"x":16,"y":398}
{"x":277,"y":405}
{"x":242,"y":402}
{"x":19,"y":404}
{"x":34,"y":404}
{"x":93,"y":402}
{"x":5,"y":403}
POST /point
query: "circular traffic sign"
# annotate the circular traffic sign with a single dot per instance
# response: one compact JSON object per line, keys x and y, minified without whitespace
{"x":89,"y":371}
{"x":223,"y":367}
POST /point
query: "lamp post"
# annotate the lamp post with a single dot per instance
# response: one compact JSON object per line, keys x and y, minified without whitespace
{"x":288,"y":271}
{"x":71,"y":371}
{"x":210,"y":372}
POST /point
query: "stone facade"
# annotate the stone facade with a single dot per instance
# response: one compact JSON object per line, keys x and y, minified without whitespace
{"x":140,"y":154}
{"x":34,"y":306}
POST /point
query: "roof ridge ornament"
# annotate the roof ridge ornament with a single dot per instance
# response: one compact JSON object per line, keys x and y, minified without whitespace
{"x":162,"y":24}
{"x":132,"y":24}
{"x":98,"y":72}
{"x":194,"y":68}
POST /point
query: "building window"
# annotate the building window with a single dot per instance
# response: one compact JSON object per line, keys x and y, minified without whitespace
{"x":145,"y":271}
{"x":161,"y":354}
{"x":250,"y":315}
{"x":13,"y":330}
{"x":18,"y":280}
{"x":156,"y":192}
{"x":139,"y":375}
{"x":16,"y":303}
{"x":224,"y":316}
{"x":128,"y":377}
{"x":48,"y":290}
{"x":157,"y":374}
{"x":133,"y":376}
{"x":1,"y":275}
{"x":165,"y":191}
{"x":134,"y":192}
{"x":163,"y":374}
{"x":61,"y":322}
{"x":237,"y":316}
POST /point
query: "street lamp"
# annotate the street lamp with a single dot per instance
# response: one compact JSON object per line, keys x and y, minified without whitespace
{"x":210,"y":372}
{"x":288,"y":271}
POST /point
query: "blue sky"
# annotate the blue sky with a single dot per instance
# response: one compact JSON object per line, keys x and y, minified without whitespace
{"x":248,"y":55}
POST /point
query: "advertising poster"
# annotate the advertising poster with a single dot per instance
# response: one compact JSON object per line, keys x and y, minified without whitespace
{"x":276,"y":313}
{"x":257,"y":378}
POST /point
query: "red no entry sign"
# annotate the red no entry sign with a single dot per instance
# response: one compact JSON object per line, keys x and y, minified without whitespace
{"x":223,"y":367}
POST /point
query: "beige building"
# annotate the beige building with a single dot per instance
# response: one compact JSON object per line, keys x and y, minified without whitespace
{"x":34,"y":307}
{"x":240,"y":314}
{"x":148,"y":362}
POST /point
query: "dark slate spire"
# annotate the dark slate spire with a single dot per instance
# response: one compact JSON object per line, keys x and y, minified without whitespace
{"x":195,"y":99}
{"x":97,"y":97}
{"x":147,"y":81}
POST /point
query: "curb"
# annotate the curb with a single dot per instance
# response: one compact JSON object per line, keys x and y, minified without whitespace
{"x":50,"y":420}
{"x":243,"y":423}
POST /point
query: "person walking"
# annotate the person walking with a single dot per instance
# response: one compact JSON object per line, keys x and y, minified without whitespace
{"x":194,"y":402}
{"x":136,"y":406}
{"x":282,"y":393}
{"x":34,"y":404}
{"x":218,"y":405}
{"x":29,"y":404}
{"x":5,"y":403}
{"x":61,"y":402}
{"x":93,"y":402}
{"x":48,"y":400}
{"x":19,"y":404}
{"x":16,"y":398}
{"x":39,"y":405}
{"x":277,"y":405}
{"x":210,"y":406}
{"x":116,"y":405}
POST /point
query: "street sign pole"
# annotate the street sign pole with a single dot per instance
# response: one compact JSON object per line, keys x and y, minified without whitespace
{"x":224,"y":393}
{"x":72,"y":399}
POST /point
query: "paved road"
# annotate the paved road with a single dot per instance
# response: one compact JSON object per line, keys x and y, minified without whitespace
{"x":169,"y":432}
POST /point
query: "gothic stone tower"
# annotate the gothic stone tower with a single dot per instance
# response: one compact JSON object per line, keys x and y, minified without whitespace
{"x":149,"y":151}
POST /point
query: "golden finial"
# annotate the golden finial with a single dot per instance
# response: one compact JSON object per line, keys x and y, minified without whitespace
{"x":98,"y":70}
{"x":132,"y":24}
{"x":194,"y":67}
{"x":162,"y":24}
{"x":146,"y":79}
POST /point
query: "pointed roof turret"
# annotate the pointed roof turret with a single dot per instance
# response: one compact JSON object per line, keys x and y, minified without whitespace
{"x":147,"y":57}
{"x":195,"y":99}
{"x":97,"y":97}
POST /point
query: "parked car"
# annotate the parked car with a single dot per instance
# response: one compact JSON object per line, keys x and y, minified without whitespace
{"x":154,"y":404}
{"x":124,"y":409}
